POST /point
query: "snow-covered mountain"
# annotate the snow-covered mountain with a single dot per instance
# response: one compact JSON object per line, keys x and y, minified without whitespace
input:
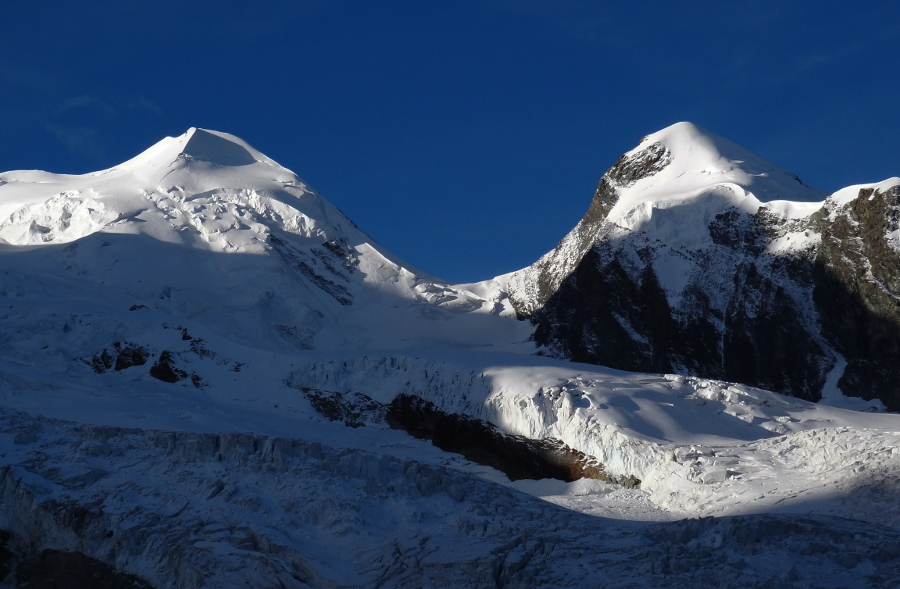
{"x":298,"y":272}
{"x":698,"y":257}
{"x":209,"y":376}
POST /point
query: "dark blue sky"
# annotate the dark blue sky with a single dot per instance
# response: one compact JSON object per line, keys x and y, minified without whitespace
{"x":465,"y":136}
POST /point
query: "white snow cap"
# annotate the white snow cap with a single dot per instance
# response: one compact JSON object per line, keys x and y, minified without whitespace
{"x":702,"y":164}
{"x":196,"y":144}
{"x":204,"y":188}
{"x":845,"y":195}
{"x":703,"y":152}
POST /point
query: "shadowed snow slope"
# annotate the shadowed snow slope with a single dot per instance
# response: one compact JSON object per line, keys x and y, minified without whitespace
{"x":163,"y":323}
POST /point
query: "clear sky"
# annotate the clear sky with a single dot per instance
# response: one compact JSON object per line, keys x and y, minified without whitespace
{"x":465,"y":136}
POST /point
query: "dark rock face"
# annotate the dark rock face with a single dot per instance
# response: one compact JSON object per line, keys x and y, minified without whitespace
{"x":515,"y":456}
{"x":857,"y":285}
{"x":479,"y":441}
{"x":626,"y":326}
{"x":746,"y":311}
{"x":601,"y":315}
{"x":124,"y":355}
{"x":770,"y":348}
{"x":6,"y":556}
{"x":52,"y":569}
{"x":164,"y":369}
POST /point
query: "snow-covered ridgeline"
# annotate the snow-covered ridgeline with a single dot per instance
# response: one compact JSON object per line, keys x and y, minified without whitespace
{"x":670,"y":187}
{"x":204,"y":189}
{"x":199,"y":189}
{"x":529,"y":287}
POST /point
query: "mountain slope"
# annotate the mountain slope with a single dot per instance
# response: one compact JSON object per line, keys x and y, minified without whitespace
{"x":698,"y":257}
{"x":203,"y":366}
{"x":206,"y":229}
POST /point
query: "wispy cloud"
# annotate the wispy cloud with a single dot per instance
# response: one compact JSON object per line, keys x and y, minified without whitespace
{"x":83,"y":141}
{"x":145,"y":105}
{"x":86,"y":124}
{"x":85,"y":102}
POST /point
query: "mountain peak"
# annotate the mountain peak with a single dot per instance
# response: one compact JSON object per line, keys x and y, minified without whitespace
{"x":203,"y":188}
{"x":687,"y":135}
{"x":701,"y":160}
{"x":683,"y":131}
{"x":216,"y":148}
{"x":196,"y":145}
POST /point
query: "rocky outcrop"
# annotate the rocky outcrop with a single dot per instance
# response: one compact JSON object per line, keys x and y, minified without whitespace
{"x":6,"y":556}
{"x":353,"y":410}
{"x":531,"y":287}
{"x":479,"y":441}
{"x":857,"y":291}
{"x":737,"y":318}
{"x":124,"y":355}
{"x":164,"y":368}
{"x":52,"y":569}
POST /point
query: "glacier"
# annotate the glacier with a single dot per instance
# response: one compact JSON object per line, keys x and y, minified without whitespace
{"x":161,"y":319}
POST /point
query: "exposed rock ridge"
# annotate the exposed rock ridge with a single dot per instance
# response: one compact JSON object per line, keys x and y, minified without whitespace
{"x":532,"y":287}
{"x":857,"y":291}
